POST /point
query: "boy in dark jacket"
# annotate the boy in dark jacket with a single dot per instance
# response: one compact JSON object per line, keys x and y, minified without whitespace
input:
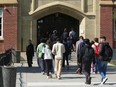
{"x":86,"y":57}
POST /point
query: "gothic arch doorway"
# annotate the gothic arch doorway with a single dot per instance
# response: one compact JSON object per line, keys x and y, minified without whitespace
{"x":57,"y":21}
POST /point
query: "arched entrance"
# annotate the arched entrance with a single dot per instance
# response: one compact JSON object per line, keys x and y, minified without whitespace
{"x":56,"y":15}
{"x":57,"y":21}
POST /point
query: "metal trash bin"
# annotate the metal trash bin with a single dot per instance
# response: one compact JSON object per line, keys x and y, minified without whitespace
{"x":8,"y":76}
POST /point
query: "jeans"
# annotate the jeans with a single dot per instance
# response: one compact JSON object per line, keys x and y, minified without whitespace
{"x":96,"y":64}
{"x":41,"y":63}
{"x":102,"y":67}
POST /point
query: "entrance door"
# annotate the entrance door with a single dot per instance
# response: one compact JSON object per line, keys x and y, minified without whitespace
{"x":57,"y":21}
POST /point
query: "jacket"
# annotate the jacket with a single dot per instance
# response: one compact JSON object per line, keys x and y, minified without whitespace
{"x":58,"y":50}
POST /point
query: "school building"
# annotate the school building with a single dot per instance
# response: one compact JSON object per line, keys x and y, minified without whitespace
{"x":21,"y":20}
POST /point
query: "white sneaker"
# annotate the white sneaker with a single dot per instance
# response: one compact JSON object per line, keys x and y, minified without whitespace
{"x":59,"y":77}
{"x":104,"y":80}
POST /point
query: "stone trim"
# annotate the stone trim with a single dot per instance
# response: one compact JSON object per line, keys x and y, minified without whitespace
{"x":107,"y":3}
{"x":8,"y":2}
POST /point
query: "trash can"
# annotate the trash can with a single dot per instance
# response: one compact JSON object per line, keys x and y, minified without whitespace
{"x":8,"y":76}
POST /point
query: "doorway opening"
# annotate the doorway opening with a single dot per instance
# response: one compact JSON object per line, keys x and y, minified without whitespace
{"x":56,"y":21}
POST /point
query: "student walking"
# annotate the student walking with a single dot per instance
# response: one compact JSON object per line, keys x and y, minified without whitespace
{"x":65,"y":55}
{"x":86,"y":56}
{"x":95,"y":46}
{"x":58,"y":50}
{"x":79,"y":45}
{"x":47,"y":54}
{"x":40,"y":60}
{"x":105,"y":52}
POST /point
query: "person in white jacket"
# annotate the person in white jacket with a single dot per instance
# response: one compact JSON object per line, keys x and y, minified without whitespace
{"x":47,"y":53}
{"x":58,"y":50}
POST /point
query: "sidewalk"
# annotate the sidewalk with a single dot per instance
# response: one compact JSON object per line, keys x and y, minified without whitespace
{"x":31,"y":77}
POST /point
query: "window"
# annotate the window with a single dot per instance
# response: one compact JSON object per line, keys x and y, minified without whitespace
{"x":1,"y":22}
{"x":114,"y":23}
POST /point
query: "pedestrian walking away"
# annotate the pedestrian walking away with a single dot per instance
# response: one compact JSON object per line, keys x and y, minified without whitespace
{"x":95,"y":46}
{"x":79,"y":45}
{"x":104,"y":54}
{"x":58,"y":50}
{"x":47,"y":54}
{"x":40,"y":60}
{"x":86,"y":56}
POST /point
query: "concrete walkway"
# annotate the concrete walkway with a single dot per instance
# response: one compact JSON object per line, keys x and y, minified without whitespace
{"x":32,"y":77}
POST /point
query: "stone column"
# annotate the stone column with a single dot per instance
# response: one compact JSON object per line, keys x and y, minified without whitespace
{"x":32,"y":5}
{"x":83,"y":5}
{"x":94,"y":6}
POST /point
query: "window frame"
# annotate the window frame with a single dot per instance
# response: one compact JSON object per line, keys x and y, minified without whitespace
{"x":1,"y":16}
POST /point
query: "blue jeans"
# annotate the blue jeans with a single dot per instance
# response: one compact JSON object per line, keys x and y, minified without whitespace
{"x":96,"y":64}
{"x":102,"y":67}
{"x":41,"y":63}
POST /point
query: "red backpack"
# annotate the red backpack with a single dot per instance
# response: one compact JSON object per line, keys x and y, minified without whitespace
{"x":96,"y":50}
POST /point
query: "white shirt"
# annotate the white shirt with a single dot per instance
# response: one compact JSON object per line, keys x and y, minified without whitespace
{"x":94,"y":46}
{"x":58,"y":50}
{"x":47,"y":52}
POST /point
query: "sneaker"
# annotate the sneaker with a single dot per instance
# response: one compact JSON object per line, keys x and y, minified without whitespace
{"x":104,"y":80}
{"x":43,"y":73}
{"x":59,"y":77}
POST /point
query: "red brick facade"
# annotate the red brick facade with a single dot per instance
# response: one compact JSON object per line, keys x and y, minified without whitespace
{"x":9,"y":27}
{"x":106,"y":24}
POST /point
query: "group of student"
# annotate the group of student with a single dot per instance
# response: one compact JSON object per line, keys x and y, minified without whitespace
{"x":93,"y":57}
{"x":90,"y":56}
{"x":55,"y":49}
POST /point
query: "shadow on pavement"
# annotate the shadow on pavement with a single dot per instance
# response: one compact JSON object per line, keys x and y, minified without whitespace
{"x":110,"y":84}
{"x":72,"y":69}
{"x":28,"y":69}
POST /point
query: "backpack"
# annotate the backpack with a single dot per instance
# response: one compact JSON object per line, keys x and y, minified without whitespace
{"x":107,"y":53}
{"x":65,"y":35}
{"x":96,"y":50}
{"x":88,"y":54}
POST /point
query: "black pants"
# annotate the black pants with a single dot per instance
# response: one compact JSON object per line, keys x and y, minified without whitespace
{"x":29,"y":60}
{"x":48,"y":63}
{"x":86,"y":67}
{"x":65,"y":57}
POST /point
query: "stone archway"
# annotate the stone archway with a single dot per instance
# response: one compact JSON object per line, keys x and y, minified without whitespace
{"x":58,"y":7}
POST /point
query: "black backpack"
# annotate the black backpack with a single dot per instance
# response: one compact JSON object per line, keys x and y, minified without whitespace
{"x":107,"y":53}
{"x":88,"y":54}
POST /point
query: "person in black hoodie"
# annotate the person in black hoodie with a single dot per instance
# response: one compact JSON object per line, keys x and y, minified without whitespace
{"x":86,"y":57}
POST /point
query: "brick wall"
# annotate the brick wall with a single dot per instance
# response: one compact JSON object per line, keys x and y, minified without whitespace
{"x":106,"y":23}
{"x":9,"y":27}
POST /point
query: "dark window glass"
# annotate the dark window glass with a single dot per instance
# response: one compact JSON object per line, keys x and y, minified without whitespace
{"x":0,"y":26}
